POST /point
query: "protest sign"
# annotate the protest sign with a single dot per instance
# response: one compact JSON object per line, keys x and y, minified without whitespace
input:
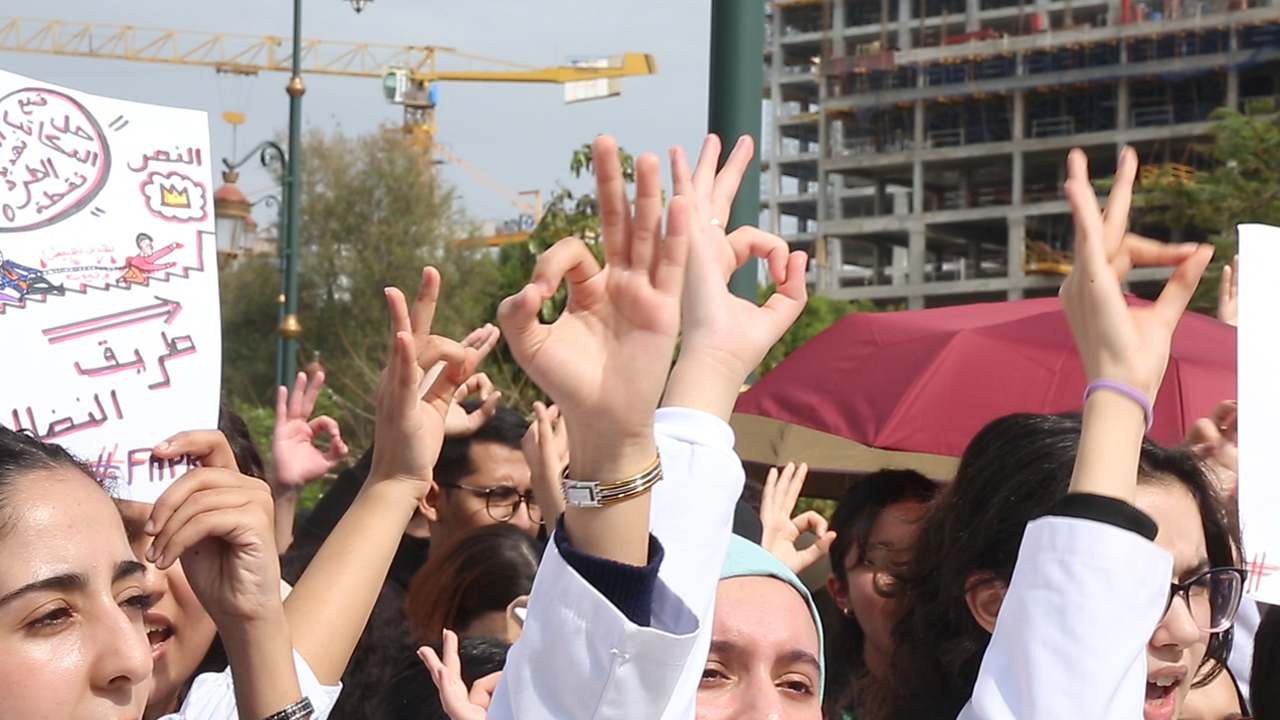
{"x":1259,"y":390}
{"x":108,"y":278}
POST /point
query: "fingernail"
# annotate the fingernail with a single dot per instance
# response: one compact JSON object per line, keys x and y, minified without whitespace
{"x":150,"y":527}
{"x":162,"y":445}
{"x":543,"y":288}
{"x":151,"y":553}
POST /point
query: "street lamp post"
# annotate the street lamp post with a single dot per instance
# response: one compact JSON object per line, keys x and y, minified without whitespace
{"x":737,"y":82}
{"x":290,"y":165}
{"x":270,"y":154}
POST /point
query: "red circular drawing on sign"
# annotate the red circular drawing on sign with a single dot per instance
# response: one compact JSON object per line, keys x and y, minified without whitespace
{"x":53,"y":158}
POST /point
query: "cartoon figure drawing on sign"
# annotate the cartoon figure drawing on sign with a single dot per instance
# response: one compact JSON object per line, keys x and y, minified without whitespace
{"x":147,"y":261}
{"x":23,"y":281}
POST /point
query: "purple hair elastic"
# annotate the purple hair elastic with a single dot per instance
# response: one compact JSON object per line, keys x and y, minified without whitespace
{"x":1130,"y":392}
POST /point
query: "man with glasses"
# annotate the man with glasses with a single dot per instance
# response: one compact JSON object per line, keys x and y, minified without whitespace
{"x":481,"y":479}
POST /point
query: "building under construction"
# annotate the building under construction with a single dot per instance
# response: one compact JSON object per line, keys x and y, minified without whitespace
{"x":916,"y":147}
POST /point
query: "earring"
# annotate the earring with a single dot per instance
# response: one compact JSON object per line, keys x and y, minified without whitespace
{"x":847,"y":612}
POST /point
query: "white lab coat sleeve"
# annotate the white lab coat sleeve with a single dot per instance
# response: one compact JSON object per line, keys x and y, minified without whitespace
{"x":579,"y":656}
{"x":1240,"y":661}
{"x":213,"y":695}
{"x":693,"y":518}
{"x":1070,"y":640}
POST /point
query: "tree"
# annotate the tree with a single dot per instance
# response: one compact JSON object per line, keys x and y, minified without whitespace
{"x":373,"y":214}
{"x":1241,"y":184}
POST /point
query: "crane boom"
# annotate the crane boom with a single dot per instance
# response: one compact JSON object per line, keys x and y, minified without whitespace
{"x":249,"y":54}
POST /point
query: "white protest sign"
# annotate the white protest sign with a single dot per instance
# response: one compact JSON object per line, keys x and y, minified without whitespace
{"x":108,"y":278}
{"x":1259,"y":390}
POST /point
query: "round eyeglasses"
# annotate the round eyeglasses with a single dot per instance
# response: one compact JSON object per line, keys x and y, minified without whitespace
{"x":502,"y":502}
{"x":1212,"y":597}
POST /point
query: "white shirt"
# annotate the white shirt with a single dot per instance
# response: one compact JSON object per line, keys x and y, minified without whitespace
{"x":213,"y":695}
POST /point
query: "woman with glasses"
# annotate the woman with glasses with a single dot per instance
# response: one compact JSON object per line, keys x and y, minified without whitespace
{"x":1012,"y":472}
{"x":1125,"y":588}
{"x":876,"y":521}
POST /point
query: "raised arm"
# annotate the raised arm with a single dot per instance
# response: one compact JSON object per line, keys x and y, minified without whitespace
{"x":596,"y":604}
{"x":605,"y":360}
{"x":219,"y":524}
{"x":330,"y":605}
{"x":1090,"y":586}
{"x":295,"y":459}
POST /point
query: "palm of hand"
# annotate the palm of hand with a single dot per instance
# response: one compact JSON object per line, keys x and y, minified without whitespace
{"x":232,"y":579}
{"x":295,"y":456}
{"x":411,"y":437}
{"x":605,"y":340}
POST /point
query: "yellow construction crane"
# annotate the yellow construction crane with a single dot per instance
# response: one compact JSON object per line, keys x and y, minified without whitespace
{"x":409,"y":72}
{"x":530,"y":210}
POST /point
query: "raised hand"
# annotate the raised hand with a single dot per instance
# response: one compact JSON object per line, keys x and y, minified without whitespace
{"x":408,"y":438}
{"x":459,"y":703}
{"x":546,"y":449}
{"x":459,"y":422}
{"x":725,"y":336}
{"x":604,"y":361}
{"x":219,"y":523}
{"x":411,"y":424}
{"x":295,"y":459}
{"x":1116,"y":341}
{"x":1229,"y":292}
{"x":780,"y":530}
{"x":1213,"y":440}
{"x":483,"y":340}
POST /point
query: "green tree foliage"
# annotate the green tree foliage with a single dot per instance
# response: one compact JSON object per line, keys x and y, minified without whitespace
{"x":373,"y":214}
{"x":1241,"y":184}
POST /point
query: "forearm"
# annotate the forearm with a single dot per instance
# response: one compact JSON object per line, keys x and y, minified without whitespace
{"x":286,"y":509}
{"x":355,"y":558}
{"x":618,"y":531}
{"x":1110,"y":445}
{"x":701,"y":381}
{"x":260,"y":653}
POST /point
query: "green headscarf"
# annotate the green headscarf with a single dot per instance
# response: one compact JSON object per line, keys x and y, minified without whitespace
{"x":747,"y":559}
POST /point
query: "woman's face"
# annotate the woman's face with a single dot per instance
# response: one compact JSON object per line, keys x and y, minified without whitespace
{"x":71,"y":603}
{"x":888,"y":549}
{"x":764,"y":654}
{"x":178,"y":628}
{"x":1178,"y":645}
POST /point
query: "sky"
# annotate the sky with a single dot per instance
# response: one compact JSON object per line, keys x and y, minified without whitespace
{"x":522,"y":135}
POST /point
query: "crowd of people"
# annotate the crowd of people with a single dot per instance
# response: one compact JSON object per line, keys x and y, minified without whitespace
{"x":598,"y":560}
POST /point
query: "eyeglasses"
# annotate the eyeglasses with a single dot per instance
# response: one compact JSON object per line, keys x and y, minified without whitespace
{"x":1212,"y":597}
{"x":502,"y":502}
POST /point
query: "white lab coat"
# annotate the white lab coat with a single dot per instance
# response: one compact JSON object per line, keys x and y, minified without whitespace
{"x":1069,"y":643}
{"x":579,"y":657}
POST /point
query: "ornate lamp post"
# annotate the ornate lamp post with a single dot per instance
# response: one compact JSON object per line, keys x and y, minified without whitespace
{"x":291,"y":179}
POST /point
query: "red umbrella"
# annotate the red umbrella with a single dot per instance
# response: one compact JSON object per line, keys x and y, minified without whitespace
{"x":925,"y":381}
